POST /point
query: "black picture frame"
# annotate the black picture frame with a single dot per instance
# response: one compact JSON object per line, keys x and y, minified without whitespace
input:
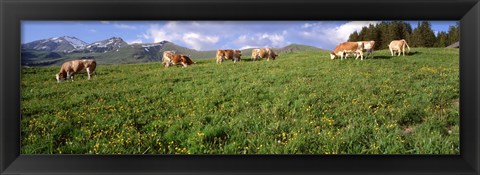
{"x":14,"y":11}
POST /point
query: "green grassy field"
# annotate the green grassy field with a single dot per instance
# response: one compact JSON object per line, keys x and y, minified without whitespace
{"x":301,"y":103}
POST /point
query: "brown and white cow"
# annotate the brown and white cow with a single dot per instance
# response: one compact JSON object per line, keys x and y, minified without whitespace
{"x":263,"y":53}
{"x":70,"y":68}
{"x":256,"y":53}
{"x":398,"y":45}
{"x":166,"y":56}
{"x":228,"y":54}
{"x":347,"y":47}
{"x":171,"y":58}
{"x":368,"y":46}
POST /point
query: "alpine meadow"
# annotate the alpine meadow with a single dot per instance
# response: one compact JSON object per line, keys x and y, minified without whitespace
{"x":301,"y":103}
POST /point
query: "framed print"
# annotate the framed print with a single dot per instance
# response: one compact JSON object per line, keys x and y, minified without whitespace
{"x":200,"y":87}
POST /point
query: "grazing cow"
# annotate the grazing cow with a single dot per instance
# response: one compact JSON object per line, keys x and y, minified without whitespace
{"x":228,"y":54}
{"x":398,"y":45}
{"x":256,"y":53}
{"x":171,"y":58}
{"x":347,"y":47}
{"x":166,"y":56}
{"x":263,"y":53}
{"x":70,"y":68}
{"x":368,"y":46}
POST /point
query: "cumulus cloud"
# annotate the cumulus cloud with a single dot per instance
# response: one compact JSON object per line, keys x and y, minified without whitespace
{"x":348,"y":28}
{"x":261,"y":40}
{"x":248,"y":47}
{"x":198,"y":41}
{"x":192,"y":34}
{"x":158,"y":34}
{"x":135,"y":41}
{"x":211,"y":35}
{"x":308,"y":25}
{"x":143,"y":35}
{"x":327,"y":35}
{"x":124,"y":26}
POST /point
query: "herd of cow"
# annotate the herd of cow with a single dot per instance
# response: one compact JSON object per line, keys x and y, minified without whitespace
{"x":70,"y":68}
{"x":172,"y":58}
{"x":357,"y":48}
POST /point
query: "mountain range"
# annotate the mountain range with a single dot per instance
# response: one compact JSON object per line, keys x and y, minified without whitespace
{"x":114,"y":50}
{"x":57,"y":44}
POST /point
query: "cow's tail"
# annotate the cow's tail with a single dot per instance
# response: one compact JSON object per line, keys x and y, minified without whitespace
{"x":406,"y":45}
{"x":94,"y":66}
{"x":361,"y":46}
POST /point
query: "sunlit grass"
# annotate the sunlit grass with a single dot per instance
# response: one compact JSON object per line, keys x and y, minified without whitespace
{"x":301,"y":103}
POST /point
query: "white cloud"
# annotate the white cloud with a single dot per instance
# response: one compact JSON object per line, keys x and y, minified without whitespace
{"x":105,"y":22}
{"x":248,"y":47}
{"x":92,"y":30}
{"x":124,"y":26}
{"x":348,"y":28}
{"x":192,"y":34}
{"x":145,"y":36}
{"x":308,"y":25}
{"x":261,"y":40}
{"x":158,"y":34}
{"x":327,"y":35}
{"x":135,"y":41}
{"x":198,"y":41}
{"x":212,"y":35}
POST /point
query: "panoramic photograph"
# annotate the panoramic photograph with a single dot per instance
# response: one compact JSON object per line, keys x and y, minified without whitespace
{"x":240,"y":87}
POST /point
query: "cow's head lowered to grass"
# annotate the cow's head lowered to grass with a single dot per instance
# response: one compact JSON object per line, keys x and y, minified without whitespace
{"x":263,"y":53}
{"x":332,"y":55}
{"x":171,"y":58}
{"x":60,"y":77}
{"x":228,"y":54}
{"x":344,"y":48}
{"x":70,"y":68}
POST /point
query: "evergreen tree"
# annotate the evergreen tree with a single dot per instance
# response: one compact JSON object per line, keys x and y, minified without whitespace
{"x":406,"y":30}
{"x":441,"y":40}
{"x":416,"y":37}
{"x":383,"y":30}
{"x":362,"y":34}
{"x":453,"y":34}
{"x":353,"y":36}
{"x":423,"y":36}
{"x":428,"y":35}
{"x":397,"y":32}
{"x":390,"y":33}
{"x":371,"y":33}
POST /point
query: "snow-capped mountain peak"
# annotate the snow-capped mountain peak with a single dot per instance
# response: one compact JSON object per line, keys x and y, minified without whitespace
{"x":110,"y":44}
{"x":75,"y":42}
{"x":56,"y":44}
{"x":155,"y":44}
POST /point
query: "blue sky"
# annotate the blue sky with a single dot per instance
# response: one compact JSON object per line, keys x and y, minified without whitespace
{"x":208,"y":35}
